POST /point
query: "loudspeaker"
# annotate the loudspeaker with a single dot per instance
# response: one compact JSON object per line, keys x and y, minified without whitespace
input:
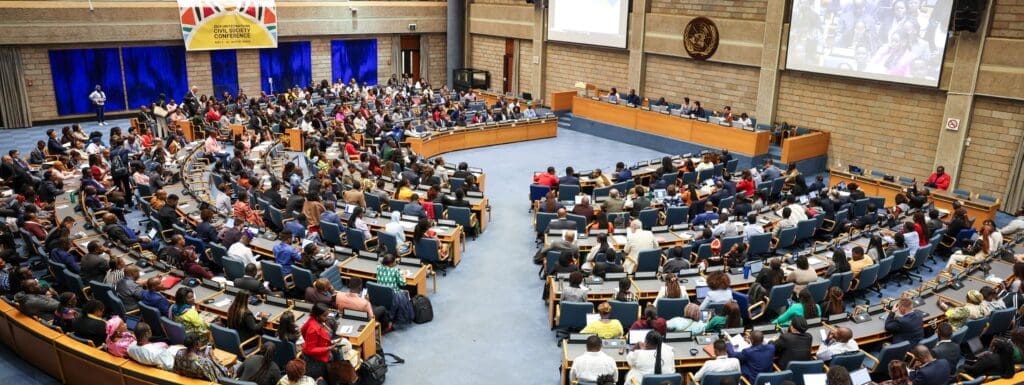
{"x":966,"y":15}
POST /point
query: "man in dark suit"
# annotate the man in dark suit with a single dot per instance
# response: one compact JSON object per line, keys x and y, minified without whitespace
{"x":904,"y":323}
{"x":562,"y":222}
{"x":928,"y":370}
{"x":249,"y":281}
{"x":273,"y":195}
{"x":755,"y":359}
{"x":584,"y":209}
{"x":168,"y":214}
{"x":794,"y":345}
{"x":569,"y":179}
{"x":946,"y":349}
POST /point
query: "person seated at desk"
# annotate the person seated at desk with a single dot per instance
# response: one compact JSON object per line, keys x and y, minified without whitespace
{"x":707,"y":217}
{"x":119,"y":232}
{"x":1015,"y":225}
{"x":118,"y":337}
{"x":650,"y":320}
{"x":576,"y":292}
{"x":260,"y":368}
{"x":722,"y":363}
{"x":148,"y":353}
{"x":945,"y":348}
{"x":584,"y":209}
{"x":677,"y":260}
{"x":633,"y":98}
{"x":752,"y":228}
{"x":652,"y":356}
{"x":614,"y":203}
{"x":794,"y":344}
{"x":243,"y":320}
{"x":788,"y":221}
{"x":593,"y":364}
{"x":860,"y":261}
{"x":730,"y":318}
{"x":355,"y":221}
{"x":295,"y":374}
{"x":719,"y":290}
{"x":660,"y":102}
{"x":769,"y":172}
{"x":756,"y":358}
{"x":605,"y":327}
{"x":622,"y":173}
{"x":705,"y":163}
{"x":354,"y":299}
{"x":939,"y":179}
{"x":320,"y":292}
{"x":184,"y":312}
{"x":33,"y":300}
{"x":637,"y":202}
{"x":802,"y":275}
{"x":600,"y":179}
{"x":241,"y":211}
{"x":547,"y":178}
{"x":91,"y":325}
{"x":804,"y":306}
{"x":96,"y":262}
{"x":973,"y":309}
{"x":745,"y":120}
{"x":61,"y":253}
{"x":927,"y":370}
{"x":196,"y":360}
{"x":904,"y":323}
{"x":838,"y":341}
{"x":153,"y":297}
{"x":296,"y":227}
{"x":996,"y":361}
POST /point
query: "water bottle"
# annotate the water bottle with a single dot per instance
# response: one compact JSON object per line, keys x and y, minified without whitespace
{"x":746,"y":271}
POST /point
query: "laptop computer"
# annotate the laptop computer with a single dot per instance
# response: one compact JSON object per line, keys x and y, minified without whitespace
{"x":815,"y":379}
{"x":349,"y":209}
{"x":702,"y":292}
{"x":860,"y":377}
{"x":660,"y":194}
{"x":638,"y":335}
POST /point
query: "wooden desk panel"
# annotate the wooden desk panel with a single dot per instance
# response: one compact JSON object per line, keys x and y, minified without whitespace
{"x":878,"y":187}
{"x":5,"y":324}
{"x":797,"y":148}
{"x":34,"y":343}
{"x":464,"y":138}
{"x":87,"y":365}
{"x":562,"y":101}
{"x":751,"y":143}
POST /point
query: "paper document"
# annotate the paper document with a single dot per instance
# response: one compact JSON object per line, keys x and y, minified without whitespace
{"x":738,"y":342}
{"x":345,"y":329}
{"x":619,"y":239}
{"x":593,"y":317}
{"x":223,"y":303}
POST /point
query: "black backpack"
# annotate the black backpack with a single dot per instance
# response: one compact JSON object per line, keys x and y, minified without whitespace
{"x":422,"y":309}
{"x":373,"y":371}
{"x":118,"y":166}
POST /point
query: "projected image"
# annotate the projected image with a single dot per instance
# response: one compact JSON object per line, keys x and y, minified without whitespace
{"x":596,"y":22}
{"x":893,"y":40}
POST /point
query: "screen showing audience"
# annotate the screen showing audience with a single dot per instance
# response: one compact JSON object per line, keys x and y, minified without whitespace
{"x":891,"y":40}
{"x":596,"y":22}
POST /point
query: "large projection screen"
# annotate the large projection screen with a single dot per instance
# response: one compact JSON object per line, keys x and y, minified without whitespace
{"x":596,"y":22}
{"x":891,"y":40}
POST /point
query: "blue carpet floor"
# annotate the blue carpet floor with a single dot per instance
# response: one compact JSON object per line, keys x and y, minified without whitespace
{"x":490,"y":325}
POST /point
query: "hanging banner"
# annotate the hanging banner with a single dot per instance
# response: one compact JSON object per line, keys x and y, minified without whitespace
{"x":228,"y":24}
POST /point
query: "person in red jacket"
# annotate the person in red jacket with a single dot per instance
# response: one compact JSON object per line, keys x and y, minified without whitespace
{"x":317,"y":348}
{"x":546,"y":179}
{"x":650,"y":321}
{"x":939,"y":179}
{"x":746,"y":184}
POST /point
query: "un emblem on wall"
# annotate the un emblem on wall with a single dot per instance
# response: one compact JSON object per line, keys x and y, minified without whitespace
{"x":700,"y":38}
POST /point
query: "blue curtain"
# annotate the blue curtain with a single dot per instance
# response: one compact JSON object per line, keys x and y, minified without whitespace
{"x":288,"y":64}
{"x":76,"y":72}
{"x":151,"y":71}
{"x":354,"y":59}
{"x":224,"y":64}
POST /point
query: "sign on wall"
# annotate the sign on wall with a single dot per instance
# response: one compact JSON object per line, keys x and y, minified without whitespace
{"x":228,"y":24}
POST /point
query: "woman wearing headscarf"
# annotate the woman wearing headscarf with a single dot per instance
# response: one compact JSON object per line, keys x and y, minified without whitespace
{"x":118,"y":337}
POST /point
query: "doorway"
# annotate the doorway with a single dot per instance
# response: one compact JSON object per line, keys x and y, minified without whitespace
{"x":508,"y":66}
{"x":411,"y":56}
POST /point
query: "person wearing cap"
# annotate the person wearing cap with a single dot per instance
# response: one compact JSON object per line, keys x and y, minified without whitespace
{"x":972,"y":310}
{"x":904,"y":323}
{"x":794,"y":344}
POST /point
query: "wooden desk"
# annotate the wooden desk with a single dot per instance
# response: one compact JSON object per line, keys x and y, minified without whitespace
{"x":5,"y":323}
{"x":942,"y":200}
{"x":751,"y":143}
{"x":415,"y":276}
{"x":466,"y":138}
{"x":292,"y":139}
{"x":35,"y":343}
{"x":87,"y":365}
{"x":562,"y":101}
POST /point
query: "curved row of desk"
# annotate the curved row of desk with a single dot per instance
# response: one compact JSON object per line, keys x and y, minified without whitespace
{"x":464,"y":138}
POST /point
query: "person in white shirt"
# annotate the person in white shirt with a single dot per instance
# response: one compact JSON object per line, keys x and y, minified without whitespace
{"x":786,"y":222}
{"x":705,"y":164}
{"x":94,"y":147}
{"x":799,"y":213}
{"x":725,"y":227}
{"x":223,"y":200}
{"x":593,"y":364}
{"x":721,"y":364}
{"x":240,"y":251}
{"x":530,"y":113}
{"x":147,"y":353}
{"x":394,"y":227}
{"x":1015,"y":225}
{"x":752,"y":228}
{"x":651,"y":357}
{"x":839,"y":341}
{"x":99,"y":98}
{"x":637,"y":240}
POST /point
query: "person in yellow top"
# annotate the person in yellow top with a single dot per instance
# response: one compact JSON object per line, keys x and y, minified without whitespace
{"x":859,"y":261}
{"x":404,"y":193}
{"x":604,"y":327}
{"x":184,"y":312}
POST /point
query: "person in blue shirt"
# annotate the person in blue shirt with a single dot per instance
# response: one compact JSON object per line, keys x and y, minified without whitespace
{"x":153,"y":298}
{"x":755,"y":359}
{"x":708,"y":217}
{"x":285,"y":254}
{"x":622,"y":173}
{"x":295,"y":227}
{"x":770,"y":172}
{"x":633,"y":98}
{"x":60,"y":254}
{"x":329,"y":215}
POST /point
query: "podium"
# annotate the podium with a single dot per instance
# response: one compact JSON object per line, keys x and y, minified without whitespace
{"x":292,"y":139}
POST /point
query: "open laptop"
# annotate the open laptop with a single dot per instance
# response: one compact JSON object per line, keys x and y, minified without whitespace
{"x":815,"y":379}
{"x":637,"y":335}
{"x":660,"y":194}
{"x":349,"y":209}
{"x":860,"y":377}
{"x":702,"y":292}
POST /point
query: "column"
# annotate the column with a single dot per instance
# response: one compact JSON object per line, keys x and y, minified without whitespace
{"x":637,"y":60}
{"x":768,"y":81}
{"x":456,"y":37}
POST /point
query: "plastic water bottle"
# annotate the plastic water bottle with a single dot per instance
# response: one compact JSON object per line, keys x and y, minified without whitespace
{"x":746,"y":271}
